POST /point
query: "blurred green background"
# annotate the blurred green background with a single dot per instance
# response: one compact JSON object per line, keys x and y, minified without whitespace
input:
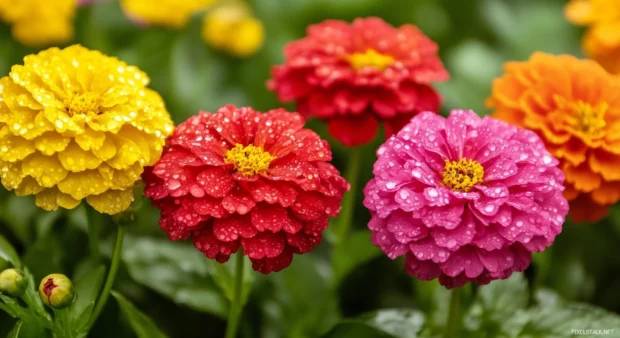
{"x":177,"y":287}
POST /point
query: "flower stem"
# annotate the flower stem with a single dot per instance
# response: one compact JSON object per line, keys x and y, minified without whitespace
{"x":453,"y":322}
{"x":348,"y":201}
{"x":236,"y":305}
{"x":107,"y":287}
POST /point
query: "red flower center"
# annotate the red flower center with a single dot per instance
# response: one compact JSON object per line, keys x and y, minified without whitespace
{"x":370,"y":58}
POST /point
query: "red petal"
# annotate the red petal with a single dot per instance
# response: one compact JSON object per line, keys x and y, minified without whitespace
{"x":309,"y":206}
{"x":216,"y":182}
{"x":213,"y":248}
{"x":264,"y":244}
{"x":354,"y":130}
{"x":315,"y":227}
{"x":230,"y":228}
{"x":268,"y":265}
{"x":238,"y":201}
{"x":207,"y":205}
{"x":303,"y":242}
{"x":272,"y":192}
{"x":270,"y":217}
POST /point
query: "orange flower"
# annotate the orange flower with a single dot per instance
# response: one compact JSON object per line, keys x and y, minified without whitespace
{"x":574,"y":105}
{"x":602,"y":39}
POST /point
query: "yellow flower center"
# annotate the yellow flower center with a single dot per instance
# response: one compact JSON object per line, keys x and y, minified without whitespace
{"x":588,"y":119}
{"x":249,"y":160}
{"x":370,"y":58}
{"x":83,"y":104}
{"x":462,"y":175}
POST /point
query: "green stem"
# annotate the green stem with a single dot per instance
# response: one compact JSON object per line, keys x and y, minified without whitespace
{"x":236,"y":305}
{"x":92,"y":223}
{"x":453,"y":322}
{"x":348,"y":201}
{"x":109,"y":282}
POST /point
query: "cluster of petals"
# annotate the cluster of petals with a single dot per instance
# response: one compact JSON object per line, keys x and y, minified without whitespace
{"x":274,"y":202}
{"x":76,"y":124}
{"x":477,"y":234}
{"x":39,"y":22}
{"x":601,"y":41}
{"x":166,"y":13}
{"x":358,"y":75}
{"x":574,"y":106}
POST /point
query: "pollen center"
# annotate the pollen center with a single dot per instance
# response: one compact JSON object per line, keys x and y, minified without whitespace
{"x":462,"y":175}
{"x":83,"y":104}
{"x":370,"y":58}
{"x":249,"y":160}
{"x":589,"y":120}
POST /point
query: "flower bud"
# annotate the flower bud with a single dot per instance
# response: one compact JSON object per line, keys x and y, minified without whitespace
{"x":13,"y":282}
{"x":56,"y":290}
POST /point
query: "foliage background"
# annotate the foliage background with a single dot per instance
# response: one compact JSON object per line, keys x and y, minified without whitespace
{"x":181,"y":290}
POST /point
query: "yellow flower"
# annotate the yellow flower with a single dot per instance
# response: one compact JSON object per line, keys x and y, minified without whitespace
{"x":39,"y":22}
{"x":167,"y":13}
{"x":231,"y":28}
{"x":76,"y":124}
{"x":601,"y":41}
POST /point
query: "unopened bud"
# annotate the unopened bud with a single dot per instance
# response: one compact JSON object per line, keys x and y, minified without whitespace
{"x":56,"y":290}
{"x":13,"y":282}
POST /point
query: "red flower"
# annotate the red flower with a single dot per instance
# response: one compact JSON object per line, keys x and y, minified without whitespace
{"x":357,"y":75}
{"x":240,"y":177}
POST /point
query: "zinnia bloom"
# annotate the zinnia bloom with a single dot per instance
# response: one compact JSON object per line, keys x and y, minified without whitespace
{"x":167,"y":13}
{"x":357,"y":75}
{"x":242,"y":178}
{"x":602,"y":39}
{"x":574,"y":106}
{"x":232,"y":28}
{"x":39,"y":22}
{"x":464,"y":198}
{"x":76,"y":124}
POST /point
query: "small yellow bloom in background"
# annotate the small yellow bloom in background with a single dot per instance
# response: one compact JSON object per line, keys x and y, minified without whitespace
{"x":13,"y":282}
{"x":232,"y":28}
{"x":601,"y":41}
{"x":39,"y":22}
{"x":56,"y":291}
{"x":76,"y":124}
{"x":167,"y":13}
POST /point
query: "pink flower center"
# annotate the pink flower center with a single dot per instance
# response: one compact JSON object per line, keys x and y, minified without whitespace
{"x":370,"y":58}
{"x":249,"y":160}
{"x":462,"y":175}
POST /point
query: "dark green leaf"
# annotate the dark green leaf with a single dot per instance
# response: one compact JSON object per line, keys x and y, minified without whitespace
{"x":401,"y":323}
{"x":176,"y":270}
{"x":15,"y":332}
{"x":8,"y":253}
{"x":86,"y":289}
{"x":354,"y":251}
{"x":143,"y":326}
{"x":223,"y":276}
{"x":354,"y":329}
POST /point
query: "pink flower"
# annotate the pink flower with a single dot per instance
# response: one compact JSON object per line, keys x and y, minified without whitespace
{"x":464,"y":198}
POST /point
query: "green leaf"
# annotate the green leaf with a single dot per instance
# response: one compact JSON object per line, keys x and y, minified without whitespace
{"x":176,"y":270}
{"x":15,"y":331}
{"x":357,"y":249}
{"x":87,"y":289}
{"x":143,"y":326}
{"x":8,"y":253}
{"x":401,"y":323}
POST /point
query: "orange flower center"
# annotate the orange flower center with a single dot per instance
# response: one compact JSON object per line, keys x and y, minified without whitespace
{"x":587,"y":119}
{"x":462,"y":175}
{"x":83,"y":104}
{"x":370,"y":58}
{"x":248,"y":160}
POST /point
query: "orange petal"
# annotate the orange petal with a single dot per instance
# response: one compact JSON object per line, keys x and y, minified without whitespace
{"x":582,"y":177}
{"x":605,"y":163}
{"x":583,"y":208}
{"x":608,"y":193}
{"x":579,"y":12}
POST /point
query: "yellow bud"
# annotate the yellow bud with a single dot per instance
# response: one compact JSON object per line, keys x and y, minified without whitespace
{"x":56,"y":290}
{"x":13,"y":282}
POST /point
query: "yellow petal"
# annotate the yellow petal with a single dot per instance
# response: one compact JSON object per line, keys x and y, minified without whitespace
{"x":29,"y":186}
{"x":127,"y":153}
{"x":12,"y":175}
{"x":14,"y":148}
{"x":51,"y":142}
{"x":90,"y":139}
{"x":75,"y":159}
{"x":107,"y":149}
{"x":130,"y":133}
{"x":50,"y":199}
{"x":82,"y":184}
{"x":47,"y":170}
{"x":112,"y":201}
{"x":124,"y":179}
